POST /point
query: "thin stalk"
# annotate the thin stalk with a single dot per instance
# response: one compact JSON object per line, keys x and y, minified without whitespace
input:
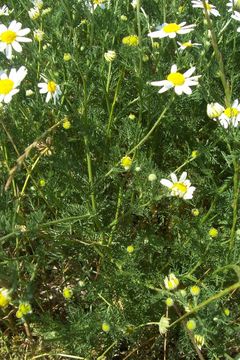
{"x":218,"y":56}
{"x":90,"y":175}
{"x":208,"y":301}
{"x":146,"y":137}
{"x":236,"y":191}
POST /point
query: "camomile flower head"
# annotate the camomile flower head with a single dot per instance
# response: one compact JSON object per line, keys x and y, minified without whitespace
{"x":181,"y":188}
{"x":214,"y":110}
{"x":11,"y":37}
{"x":9,"y":83}
{"x":233,"y":4}
{"x":4,"y":297}
{"x":231,"y":115}
{"x":211,"y":9}
{"x":171,"y":30}
{"x":187,"y":44}
{"x":93,"y":4}
{"x":4,"y":11}
{"x":164,"y":324}
{"x":180,"y":82}
{"x":199,"y":339}
{"x":50,"y":88}
{"x":236,"y":16}
{"x":171,"y":282}
{"x":34,"y":13}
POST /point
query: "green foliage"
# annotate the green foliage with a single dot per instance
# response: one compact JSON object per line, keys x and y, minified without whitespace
{"x":69,"y":210}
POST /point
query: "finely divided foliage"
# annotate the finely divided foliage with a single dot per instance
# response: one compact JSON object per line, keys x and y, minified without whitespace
{"x":120,"y":179}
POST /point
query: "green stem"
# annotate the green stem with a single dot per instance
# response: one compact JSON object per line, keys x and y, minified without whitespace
{"x":90,"y":176}
{"x":145,"y":138}
{"x":208,"y":301}
{"x":235,"y":200}
{"x":218,"y":56}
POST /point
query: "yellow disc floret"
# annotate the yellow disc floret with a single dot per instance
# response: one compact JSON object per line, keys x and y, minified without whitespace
{"x":173,"y":27}
{"x":131,"y":40}
{"x":51,"y":86}
{"x":176,"y":78}
{"x":8,"y":36}
{"x":179,"y":186}
{"x":231,"y":112}
{"x":6,"y":85}
{"x":4,"y":298}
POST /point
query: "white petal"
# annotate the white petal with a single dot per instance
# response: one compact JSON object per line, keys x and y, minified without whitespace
{"x":9,"y":52}
{"x":174,"y":68}
{"x":16,"y":46}
{"x":23,"y":39}
{"x":188,"y":73}
{"x":23,"y":32}
{"x":166,"y":182}
{"x":178,"y":90}
{"x":183,"y":177}
{"x":187,"y":90}
{"x":173,"y":177}
{"x":49,"y":95}
{"x":159,"y":83}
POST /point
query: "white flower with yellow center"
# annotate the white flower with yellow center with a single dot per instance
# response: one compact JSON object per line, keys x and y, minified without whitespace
{"x":180,"y":82}
{"x":171,"y":282}
{"x":187,"y":44}
{"x":171,"y":30}
{"x":93,"y":4}
{"x":236,"y":16}
{"x":231,"y":115}
{"x":211,"y":9}
{"x":11,"y":37}
{"x":34,"y":13}
{"x":51,"y":89}
{"x":164,"y":324}
{"x":214,"y":110}
{"x":181,"y":188}
{"x":9,"y":84}
{"x":4,"y":11}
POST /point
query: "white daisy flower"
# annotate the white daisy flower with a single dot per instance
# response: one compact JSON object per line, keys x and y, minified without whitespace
{"x":34,"y":13}
{"x":11,"y":37}
{"x":180,"y":82}
{"x":9,"y":84}
{"x":233,"y":4}
{"x":171,"y":282}
{"x":171,"y":30}
{"x":50,"y":88}
{"x":211,"y":9}
{"x":4,"y":11}
{"x":93,"y":4}
{"x":214,"y":110}
{"x":187,"y":44}
{"x":230,"y":116}
{"x":181,"y":188}
{"x":164,"y":324}
{"x":236,"y":16}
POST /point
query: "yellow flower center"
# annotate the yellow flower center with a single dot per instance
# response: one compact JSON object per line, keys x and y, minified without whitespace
{"x":98,"y":2}
{"x":8,"y":36}
{"x":176,"y":78}
{"x":131,"y":40}
{"x":209,"y":7}
{"x":169,"y":28}
{"x":51,"y":86}
{"x":231,"y":112}
{"x":187,"y":44}
{"x":179,"y":186}
{"x":6,"y":85}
